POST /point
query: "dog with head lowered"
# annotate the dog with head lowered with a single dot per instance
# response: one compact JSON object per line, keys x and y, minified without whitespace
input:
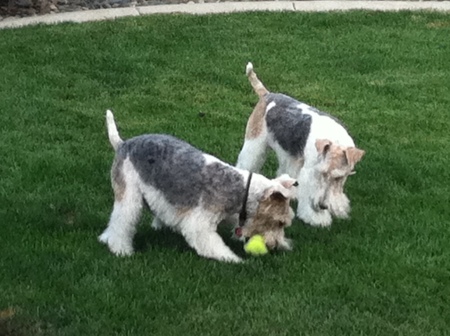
{"x":310,"y":145}
{"x":191,"y":192}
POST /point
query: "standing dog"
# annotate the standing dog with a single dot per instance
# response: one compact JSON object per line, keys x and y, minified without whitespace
{"x":310,"y":145}
{"x":191,"y":192}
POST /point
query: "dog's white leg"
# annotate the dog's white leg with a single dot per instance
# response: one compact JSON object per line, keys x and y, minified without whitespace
{"x":287,"y":164}
{"x":283,"y":163}
{"x":308,"y":214}
{"x":315,"y":218}
{"x":210,"y":245}
{"x":157,"y":224}
{"x":253,"y":154}
{"x":122,"y":224}
{"x":309,"y":190}
{"x":202,"y":237}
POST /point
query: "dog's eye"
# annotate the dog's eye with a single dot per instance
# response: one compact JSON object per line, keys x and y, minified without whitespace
{"x":295,"y":184}
{"x":281,"y":224}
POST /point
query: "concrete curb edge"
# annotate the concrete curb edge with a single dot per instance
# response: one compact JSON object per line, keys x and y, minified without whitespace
{"x":225,"y":7}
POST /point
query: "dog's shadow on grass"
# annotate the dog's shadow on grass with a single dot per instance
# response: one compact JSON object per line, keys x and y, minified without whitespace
{"x":147,"y":238}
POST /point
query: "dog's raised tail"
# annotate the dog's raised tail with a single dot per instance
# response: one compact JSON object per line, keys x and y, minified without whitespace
{"x":257,"y":85}
{"x":113,"y":134}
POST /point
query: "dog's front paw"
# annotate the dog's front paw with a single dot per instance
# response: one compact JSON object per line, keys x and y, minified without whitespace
{"x":117,"y":246}
{"x":103,"y":238}
{"x":121,"y":250}
{"x":320,"y":218}
{"x":233,"y":259}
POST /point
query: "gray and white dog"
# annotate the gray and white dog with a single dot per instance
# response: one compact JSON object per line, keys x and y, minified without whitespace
{"x":191,"y":192}
{"x":310,"y":145}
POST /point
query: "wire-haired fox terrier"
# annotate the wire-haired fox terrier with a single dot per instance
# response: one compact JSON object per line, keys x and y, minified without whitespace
{"x":191,"y":192}
{"x":310,"y":145}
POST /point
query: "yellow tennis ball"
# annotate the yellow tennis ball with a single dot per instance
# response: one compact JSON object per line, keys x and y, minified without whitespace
{"x":256,"y":246}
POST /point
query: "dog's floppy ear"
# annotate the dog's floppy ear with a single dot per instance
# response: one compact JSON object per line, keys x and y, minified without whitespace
{"x":287,"y":181}
{"x":283,"y":188}
{"x":323,"y":146}
{"x":276,"y":193}
{"x":354,"y":155}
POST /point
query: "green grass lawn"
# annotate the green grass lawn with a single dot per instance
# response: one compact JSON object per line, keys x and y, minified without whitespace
{"x":386,"y":271}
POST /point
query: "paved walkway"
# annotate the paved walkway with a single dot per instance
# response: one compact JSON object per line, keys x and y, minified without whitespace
{"x":226,"y":7}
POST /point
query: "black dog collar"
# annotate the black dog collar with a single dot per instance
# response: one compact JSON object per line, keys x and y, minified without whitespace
{"x":243,"y":213}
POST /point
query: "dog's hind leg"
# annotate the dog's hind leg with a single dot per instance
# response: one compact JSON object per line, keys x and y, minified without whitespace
{"x":253,"y":155}
{"x":122,"y":224}
{"x":254,"y":151}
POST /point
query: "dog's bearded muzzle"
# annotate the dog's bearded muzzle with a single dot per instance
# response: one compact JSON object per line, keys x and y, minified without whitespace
{"x":272,"y":231}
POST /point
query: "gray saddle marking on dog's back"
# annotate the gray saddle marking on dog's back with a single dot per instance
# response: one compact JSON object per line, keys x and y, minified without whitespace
{"x":287,"y":123}
{"x":180,"y":172}
{"x":223,"y":187}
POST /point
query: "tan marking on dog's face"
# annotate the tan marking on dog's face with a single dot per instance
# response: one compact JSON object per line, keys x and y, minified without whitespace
{"x":354,"y":155}
{"x":272,"y":216}
{"x":340,"y":160}
{"x":255,"y":124}
{"x":118,"y":179}
{"x":338,"y":163}
{"x":337,"y":159}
